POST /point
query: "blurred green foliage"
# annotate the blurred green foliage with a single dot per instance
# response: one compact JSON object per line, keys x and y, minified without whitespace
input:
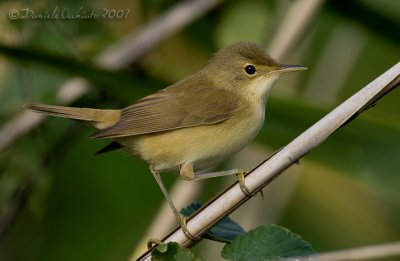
{"x":58,"y":201}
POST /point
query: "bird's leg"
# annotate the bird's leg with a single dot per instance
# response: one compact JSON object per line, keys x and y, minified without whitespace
{"x":181,"y":218}
{"x":242,"y":182}
{"x":238,"y":172}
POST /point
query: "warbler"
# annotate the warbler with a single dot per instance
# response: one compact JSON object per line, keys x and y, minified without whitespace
{"x":194,"y":123}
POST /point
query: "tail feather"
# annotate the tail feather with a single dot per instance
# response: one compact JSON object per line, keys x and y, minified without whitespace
{"x":98,"y":118}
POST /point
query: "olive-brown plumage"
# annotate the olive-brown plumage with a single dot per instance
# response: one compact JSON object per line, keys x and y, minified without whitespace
{"x":195,"y":122}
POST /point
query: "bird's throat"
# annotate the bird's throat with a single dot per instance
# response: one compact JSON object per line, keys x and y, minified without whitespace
{"x":260,"y":89}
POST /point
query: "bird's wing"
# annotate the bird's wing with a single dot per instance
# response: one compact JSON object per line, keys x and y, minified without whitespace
{"x":173,"y":108}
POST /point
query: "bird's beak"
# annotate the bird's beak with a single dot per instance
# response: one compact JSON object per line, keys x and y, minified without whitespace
{"x":286,"y":68}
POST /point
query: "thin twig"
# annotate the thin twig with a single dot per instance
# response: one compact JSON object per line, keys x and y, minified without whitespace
{"x":127,"y":51}
{"x":360,"y":253}
{"x":295,"y":22}
{"x":135,"y":45}
{"x":230,"y":199}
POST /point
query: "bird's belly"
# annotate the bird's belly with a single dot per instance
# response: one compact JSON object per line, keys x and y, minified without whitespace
{"x":202,"y":145}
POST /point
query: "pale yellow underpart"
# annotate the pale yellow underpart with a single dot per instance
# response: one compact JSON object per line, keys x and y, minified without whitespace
{"x":204,"y":145}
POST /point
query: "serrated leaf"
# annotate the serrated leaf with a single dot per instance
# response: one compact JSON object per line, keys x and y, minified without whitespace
{"x":172,"y":252}
{"x":225,"y":231}
{"x":267,"y":243}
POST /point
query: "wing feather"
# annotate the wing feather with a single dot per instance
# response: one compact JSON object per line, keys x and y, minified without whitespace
{"x":179,"y":106}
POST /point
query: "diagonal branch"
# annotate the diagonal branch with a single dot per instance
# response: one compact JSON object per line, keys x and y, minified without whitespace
{"x":230,"y":199}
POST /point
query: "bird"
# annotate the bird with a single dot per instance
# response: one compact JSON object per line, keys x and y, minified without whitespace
{"x":195,"y":123}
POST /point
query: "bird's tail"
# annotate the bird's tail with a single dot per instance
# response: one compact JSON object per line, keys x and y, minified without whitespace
{"x":98,"y":118}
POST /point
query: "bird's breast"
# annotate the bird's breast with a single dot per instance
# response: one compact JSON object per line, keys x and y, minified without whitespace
{"x":202,"y":145}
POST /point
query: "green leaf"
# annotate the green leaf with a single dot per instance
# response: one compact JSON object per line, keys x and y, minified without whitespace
{"x":172,"y":252}
{"x":225,"y":231}
{"x":267,"y":243}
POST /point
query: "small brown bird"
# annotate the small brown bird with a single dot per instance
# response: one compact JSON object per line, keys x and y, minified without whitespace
{"x":196,"y":122}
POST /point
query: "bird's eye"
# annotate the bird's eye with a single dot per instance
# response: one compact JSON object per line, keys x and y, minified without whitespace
{"x":250,"y":69}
